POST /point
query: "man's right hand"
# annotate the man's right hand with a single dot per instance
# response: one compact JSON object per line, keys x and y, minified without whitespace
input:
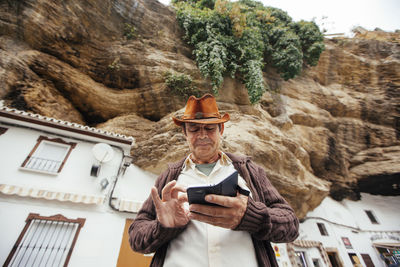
{"x":170,"y":210}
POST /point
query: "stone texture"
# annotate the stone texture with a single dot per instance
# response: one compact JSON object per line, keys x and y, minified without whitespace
{"x":334,"y":129}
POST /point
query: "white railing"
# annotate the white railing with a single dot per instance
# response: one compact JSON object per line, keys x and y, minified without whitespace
{"x":42,"y":164}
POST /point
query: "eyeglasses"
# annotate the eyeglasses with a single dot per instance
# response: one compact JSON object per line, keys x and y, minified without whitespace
{"x":197,"y":128}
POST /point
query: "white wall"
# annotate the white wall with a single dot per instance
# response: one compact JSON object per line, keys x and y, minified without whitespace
{"x":17,"y":143}
{"x":135,"y":184}
{"x":348,"y":219}
{"x":386,"y":210}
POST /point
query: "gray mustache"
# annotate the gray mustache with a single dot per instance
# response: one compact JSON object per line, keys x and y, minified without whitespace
{"x":204,"y":143}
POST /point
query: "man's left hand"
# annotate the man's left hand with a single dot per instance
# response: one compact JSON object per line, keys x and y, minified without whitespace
{"x":228,"y":215}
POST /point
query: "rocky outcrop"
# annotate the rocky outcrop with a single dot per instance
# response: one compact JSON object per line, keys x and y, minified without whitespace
{"x":334,"y":130}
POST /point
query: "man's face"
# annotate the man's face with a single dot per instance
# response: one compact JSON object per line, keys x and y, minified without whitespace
{"x":204,"y":140}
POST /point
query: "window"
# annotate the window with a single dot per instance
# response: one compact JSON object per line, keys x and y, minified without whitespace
{"x":48,"y":155}
{"x":367,"y":260}
{"x":301,"y":259}
{"x":322,"y":229}
{"x":371,"y":217}
{"x":45,"y":241}
{"x":354,"y":259}
{"x":334,"y":258}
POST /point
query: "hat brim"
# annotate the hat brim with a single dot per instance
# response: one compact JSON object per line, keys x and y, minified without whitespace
{"x":224,"y":119}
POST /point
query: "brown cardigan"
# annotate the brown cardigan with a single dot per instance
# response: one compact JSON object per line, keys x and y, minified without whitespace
{"x":268,"y":217}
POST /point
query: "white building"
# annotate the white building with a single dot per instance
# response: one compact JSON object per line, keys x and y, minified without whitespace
{"x":68,"y":194}
{"x":55,"y":194}
{"x":347,"y":233}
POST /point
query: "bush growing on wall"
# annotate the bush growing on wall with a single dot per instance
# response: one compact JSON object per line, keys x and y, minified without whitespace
{"x":180,"y":84}
{"x":238,"y":38}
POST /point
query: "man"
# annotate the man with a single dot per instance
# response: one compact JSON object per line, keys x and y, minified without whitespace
{"x":237,"y":231}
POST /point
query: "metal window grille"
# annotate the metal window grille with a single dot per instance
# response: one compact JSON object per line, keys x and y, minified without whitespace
{"x":42,"y":164}
{"x":45,"y":241}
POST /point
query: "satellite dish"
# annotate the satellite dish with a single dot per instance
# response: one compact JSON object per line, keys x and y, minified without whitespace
{"x":103,"y":152}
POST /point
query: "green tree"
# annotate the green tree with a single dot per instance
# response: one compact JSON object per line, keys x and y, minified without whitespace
{"x":239,"y":38}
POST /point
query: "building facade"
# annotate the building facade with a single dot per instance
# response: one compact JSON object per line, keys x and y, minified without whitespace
{"x":67,"y":192}
{"x":348,"y":233}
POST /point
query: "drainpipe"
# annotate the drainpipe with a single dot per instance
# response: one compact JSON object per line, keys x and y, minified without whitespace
{"x":126,"y":161}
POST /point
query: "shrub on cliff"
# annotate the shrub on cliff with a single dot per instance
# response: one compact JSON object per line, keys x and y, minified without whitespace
{"x":180,"y":84}
{"x":238,"y":38}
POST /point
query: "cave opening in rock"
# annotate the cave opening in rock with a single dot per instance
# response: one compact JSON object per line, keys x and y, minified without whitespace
{"x":152,"y":117}
{"x":384,"y":185}
{"x":91,"y":117}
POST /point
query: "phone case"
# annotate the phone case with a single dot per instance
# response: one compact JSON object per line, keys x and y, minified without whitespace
{"x":226,"y":187}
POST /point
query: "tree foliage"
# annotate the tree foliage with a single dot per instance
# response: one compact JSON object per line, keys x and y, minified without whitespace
{"x":238,"y":38}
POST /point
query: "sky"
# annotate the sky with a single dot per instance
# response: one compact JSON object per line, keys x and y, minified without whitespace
{"x":340,"y":16}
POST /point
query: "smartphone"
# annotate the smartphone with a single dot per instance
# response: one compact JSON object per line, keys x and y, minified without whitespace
{"x":227,"y":187}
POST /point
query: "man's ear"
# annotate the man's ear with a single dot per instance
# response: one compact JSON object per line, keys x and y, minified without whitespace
{"x":221,"y":129}
{"x":183,"y":129}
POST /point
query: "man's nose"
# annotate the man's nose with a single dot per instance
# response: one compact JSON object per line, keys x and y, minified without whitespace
{"x":203,"y":133}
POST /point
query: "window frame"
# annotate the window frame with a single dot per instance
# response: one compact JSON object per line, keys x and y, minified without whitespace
{"x":322,"y":229}
{"x":54,"y":141}
{"x":54,"y":218}
{"x":302,"y":256}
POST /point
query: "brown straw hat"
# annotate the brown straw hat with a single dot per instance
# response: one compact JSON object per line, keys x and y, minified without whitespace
{"x":201,"y":110}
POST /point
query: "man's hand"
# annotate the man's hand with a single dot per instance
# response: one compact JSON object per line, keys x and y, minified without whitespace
{"x":170,"y":211}
{"x":228,"y":216}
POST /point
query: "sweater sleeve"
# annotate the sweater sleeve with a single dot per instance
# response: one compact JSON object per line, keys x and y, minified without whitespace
{"x":271,"y":219}
{"x":146,"y":234}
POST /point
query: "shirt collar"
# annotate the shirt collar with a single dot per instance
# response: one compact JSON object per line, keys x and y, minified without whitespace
{"x":224,"y":160}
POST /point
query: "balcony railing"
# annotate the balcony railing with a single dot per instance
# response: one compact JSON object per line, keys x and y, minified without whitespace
{"x":41,"y":164}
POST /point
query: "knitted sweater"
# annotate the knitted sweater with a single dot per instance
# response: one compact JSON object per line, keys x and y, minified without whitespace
{"x":268,"y":217}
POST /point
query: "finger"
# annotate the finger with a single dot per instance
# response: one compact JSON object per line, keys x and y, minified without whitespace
{"x":183,"y":198}
{"x":212,"y":211}
{"x":222,"y":222}
{"x":166,"y":192}
{"x":224,"y":201}
{"x":156,"y":198}
{"x":176,"y":189}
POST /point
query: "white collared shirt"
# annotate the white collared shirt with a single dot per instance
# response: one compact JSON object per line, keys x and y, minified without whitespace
{"x":202,"y":244}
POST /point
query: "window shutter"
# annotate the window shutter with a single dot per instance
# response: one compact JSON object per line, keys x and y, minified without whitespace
{"x":48,"y":155}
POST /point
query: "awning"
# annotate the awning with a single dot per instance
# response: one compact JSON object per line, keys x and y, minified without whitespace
{"x":306,"y":243}
{"x":387,"y":245}
{"x":50,"y":195}
{"x":129,"y":205}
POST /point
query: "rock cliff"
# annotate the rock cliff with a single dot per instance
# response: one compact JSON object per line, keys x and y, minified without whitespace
{"x":333,"y":130}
